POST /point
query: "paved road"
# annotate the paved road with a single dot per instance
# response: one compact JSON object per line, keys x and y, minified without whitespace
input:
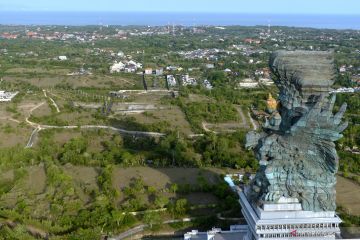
{"x":140,"y":228}
{"x":32,"y":138}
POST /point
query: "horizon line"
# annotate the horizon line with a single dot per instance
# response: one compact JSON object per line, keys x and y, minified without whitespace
{"x":179,"y":12}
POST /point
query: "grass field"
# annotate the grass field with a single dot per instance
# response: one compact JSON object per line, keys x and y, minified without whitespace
{"x":51,"y":79}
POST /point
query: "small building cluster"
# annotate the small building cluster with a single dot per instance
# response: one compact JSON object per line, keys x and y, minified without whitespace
{"x":208,"y":54}
{"x":157,"y":72}
{"x":125,"y":66}
{"x":188,"y":81}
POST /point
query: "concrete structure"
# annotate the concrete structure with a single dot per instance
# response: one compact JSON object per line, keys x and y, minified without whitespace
{"x":207,"y":84}
{"x":117,"y":67}
{"x":159,"y":71}
{"x":248,"y":83}
{"x":236,"y":232}
{"x":287,"y":220}
{"x":126,"y":66}
{"x":7,"y":96}
{"x":171,"y":80}
{"x":121,"y":54}
{"x":283,"y":220}
{"x":186,"y":80}
{"x":62,"y":58}
{"x":210,"y":66}
{"x":148,"y":71}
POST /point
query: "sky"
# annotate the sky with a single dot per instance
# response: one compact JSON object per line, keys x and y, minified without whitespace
{"x":347,"y":7}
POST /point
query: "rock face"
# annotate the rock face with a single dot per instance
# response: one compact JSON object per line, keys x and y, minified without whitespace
{"x":296,"y":149}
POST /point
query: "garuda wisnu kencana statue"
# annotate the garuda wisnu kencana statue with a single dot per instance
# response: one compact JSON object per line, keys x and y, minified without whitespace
{"x":296,"y":149}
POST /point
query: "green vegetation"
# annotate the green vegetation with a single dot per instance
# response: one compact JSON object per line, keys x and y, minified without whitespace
{"x":83,"y":183}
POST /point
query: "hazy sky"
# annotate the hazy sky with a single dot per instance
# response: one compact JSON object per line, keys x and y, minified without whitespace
{"x":243,"y":6}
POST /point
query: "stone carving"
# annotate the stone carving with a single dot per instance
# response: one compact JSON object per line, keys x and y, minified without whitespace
{"x":296,"y":149}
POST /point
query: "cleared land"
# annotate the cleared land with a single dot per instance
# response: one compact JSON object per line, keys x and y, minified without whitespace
{"x":33,"y":184}
{"x":348,"y":195}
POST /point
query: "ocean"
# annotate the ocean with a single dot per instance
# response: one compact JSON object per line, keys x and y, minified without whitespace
{"x":185,"y":19}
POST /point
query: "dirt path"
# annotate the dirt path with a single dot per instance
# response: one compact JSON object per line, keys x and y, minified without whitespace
{"x":206,"y":129}
{"x":52,"y":101}
{"x":39,"y":127}
{"x":242,"y":116}
{"x":142,"y":227}
{"x":55,"y":95}
{"x":120,"y":130}
{"x":253,"y":123}
{"x":9,"y":119}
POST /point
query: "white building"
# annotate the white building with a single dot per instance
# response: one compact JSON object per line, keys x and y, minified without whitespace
{"x":7,"y":96}
{"x":117,"y":67}
{"x":129,"y":67}
{"x":120,"y":54}
{"x":148,"y":71}
{"x":171,"y":80}
{"x":186,"y":80}
{"x":342,"y":69}
{"x":210,"y":66}
{"x":237,"y":232}
{"x":248,"y":83}
{"x":159,"y":71}
{"x":207,"y":84}
{"x":62,"y":58}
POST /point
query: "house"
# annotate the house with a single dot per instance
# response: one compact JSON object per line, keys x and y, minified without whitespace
{"x":251,"y":41}
{"x":342,"y":69}
{"x":117,"y":67}
{"x":248,"y":83}
{"x":171,"y":80}
{"x":259,"y":72}
{"x":9,"y":36}
{"x":62,"y":58}
{"x":186,"y":80}
{"x":120,"y":54}
{"x":159,"y":71}
{"x":148,"y":71}
{"x":210,"y":66}
{"x":207,"y":84}
{"x":171,"y":68}
{"x":133,"y":63}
